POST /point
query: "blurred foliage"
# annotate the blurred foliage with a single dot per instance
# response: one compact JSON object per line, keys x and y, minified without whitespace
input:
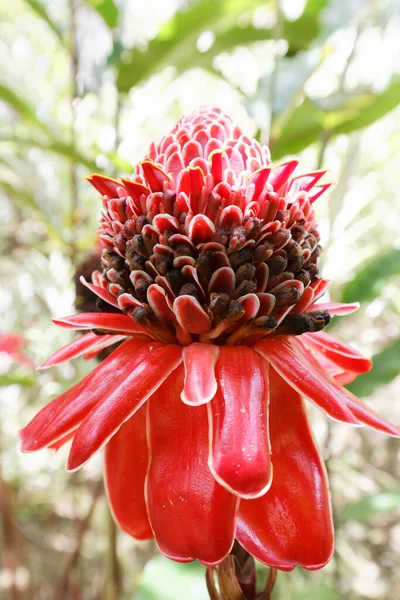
{"x":386,"y":366}
{"x":382,"y":502}
{"x":342,"y":113}
{"x":369,"y":282}
{"x":175,"y":44}
{"x":85,"y":85}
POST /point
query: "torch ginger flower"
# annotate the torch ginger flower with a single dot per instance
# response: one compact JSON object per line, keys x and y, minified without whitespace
{"x":210,"y":281}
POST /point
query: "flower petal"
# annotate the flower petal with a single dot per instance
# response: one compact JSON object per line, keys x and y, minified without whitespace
{"x":364,"y":414}
{"x":126,"y":462}
{"x":105,"y":185}
{"x":104,"y":341}
{"x":292,"y":523}
{"x":59,"y":443}
{"x":239,"y":441}
{"x":155,"y":176}
{"x":192,"y":516}
{"x":281,"y":173}
{"x":106,"y":321}
{"x":337,"y":352}
{"x":100,"y":292}
{"x":76,"y":348}
{"x":66,"y":412}
{"x":299,"y":373}
{"x":190,"y":315}
{"x":200,"y":384}
{"x":335,"y":308}
{"x":148,"y":368}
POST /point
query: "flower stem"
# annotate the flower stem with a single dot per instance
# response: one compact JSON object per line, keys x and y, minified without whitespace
{"x":272,"y":575}
{"x":237,"y":578}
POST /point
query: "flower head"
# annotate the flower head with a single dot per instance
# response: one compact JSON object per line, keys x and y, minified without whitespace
{"x":210,"y":279}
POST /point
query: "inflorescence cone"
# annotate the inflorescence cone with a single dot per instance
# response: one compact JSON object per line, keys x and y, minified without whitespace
{"x":209,"y":242}
{"x":212,"y":254}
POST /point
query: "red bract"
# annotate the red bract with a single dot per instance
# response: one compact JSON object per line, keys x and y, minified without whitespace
{"x":210,"y":281}
{"x":13,"y":345}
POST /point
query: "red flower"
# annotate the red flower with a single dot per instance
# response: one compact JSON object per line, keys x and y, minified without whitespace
{"x":12,"y":345}
{"x":210,"y":276}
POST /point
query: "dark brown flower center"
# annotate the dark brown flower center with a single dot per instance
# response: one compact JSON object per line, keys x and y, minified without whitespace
{"x":249,"y":276}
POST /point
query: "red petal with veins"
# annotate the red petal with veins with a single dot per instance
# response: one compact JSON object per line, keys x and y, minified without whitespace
{"x":200,"y":384}
{"x":335,"y":308}
{"x":104,"y":341}
{"x":292,"y":523}
{"x":106,"y":321}
{"x":59,"y":443}
{"x":159,"y":302}
{"x":364,"y":414}
{"x":299,"y":373}
{"x":238,"y":419}
{"x":190,"y":315}
{"x":100,"y":292}
{"x":135,"y":189}
{"x":105,"y":185}
{"x":280,"y":174}
{"x":155,"y":176}
{"x":84,"y":344}
{"x":66,"y":412}
{"x":222,"y":281}
{"x":317,"y":191}
{"x":126,"y":462}
{"x":216,"y":160}
{"x":191,"y":515}
{"x":201,"y":229}
{"x":72,"y":350}
{"x":306,"y":181}
{"x":148,"y":368}
{"x":337,"y":352}
{"x":259,"y":178}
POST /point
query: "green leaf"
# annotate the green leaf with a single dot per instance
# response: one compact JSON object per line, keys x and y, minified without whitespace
{"x":368,"y":283}
{"x":41,"y":11}
{"x":20,"y":106}
{"x":309,"y":120}
{"x":386,"y":366}
{"x":375,"y":107}
{"x":304,"y":30}
{"x":107,"y":10}
{"x":175,"y":44}
{"x":382,"y":502}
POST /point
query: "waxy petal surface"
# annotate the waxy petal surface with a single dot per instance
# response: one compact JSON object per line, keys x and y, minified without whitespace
{"x":335,"y":308}
{"x":126,"y":461}
{"x":364,"y":414}
{"x":192,"y":516}
{"x":100,"y":292}
{"x":299,"y":373}
{"x":66,"y":412}
{"x":238,"y":420}
{"x":80,"y":346}
{"x":105,"y":321}
{"x":200,"y":384}
{"x":339,"y":353}
{"x":292,"y":523}
{"x":148,"y":368}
